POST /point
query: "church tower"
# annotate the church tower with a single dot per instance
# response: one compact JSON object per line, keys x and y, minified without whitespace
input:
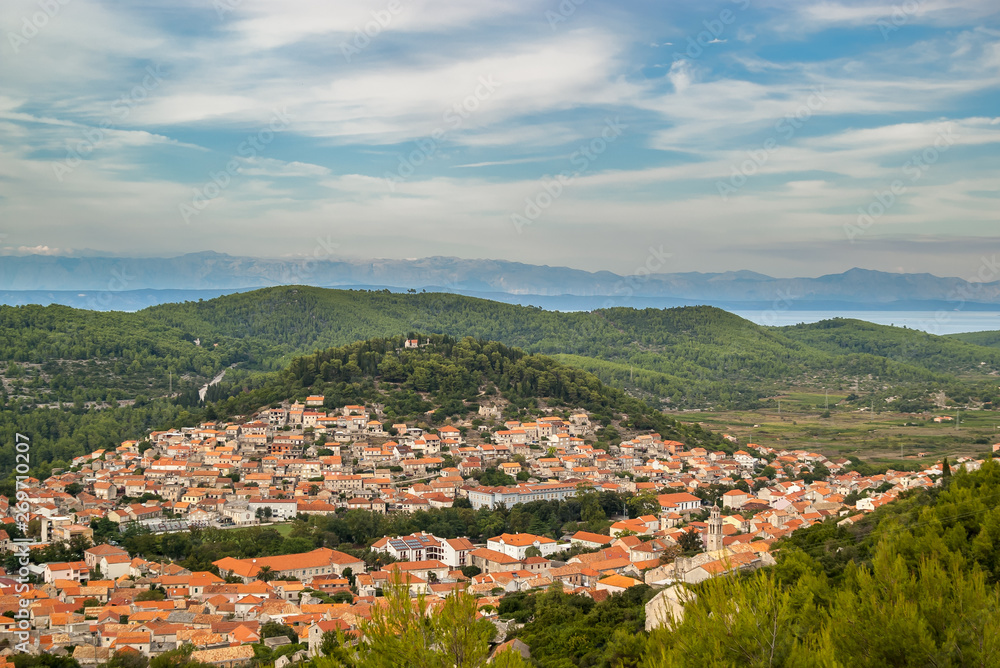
{"x":713,"y":538}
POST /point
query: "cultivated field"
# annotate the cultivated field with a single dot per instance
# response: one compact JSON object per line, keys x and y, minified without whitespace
{"x":880,"y":439}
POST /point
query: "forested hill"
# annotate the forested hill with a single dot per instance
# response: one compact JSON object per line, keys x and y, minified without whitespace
{"x":959,"y":354}
{"x":450,"y":378}
{"x":445,"y":378}
{"x":687,"y":357}
{"x":991,"y":339}
{"x":69,"y":376}
{"x":913,"y":584}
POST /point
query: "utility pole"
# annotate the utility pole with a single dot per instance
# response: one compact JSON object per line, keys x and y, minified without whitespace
{"x":827,"y":398}
{"x":170,"y":376}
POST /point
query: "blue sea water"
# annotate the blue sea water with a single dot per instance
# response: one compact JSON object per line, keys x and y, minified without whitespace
{"x":933,"y":322}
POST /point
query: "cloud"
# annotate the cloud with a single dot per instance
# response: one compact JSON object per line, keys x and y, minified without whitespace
{"x":279,"y":168}
{"x":512,"y":161}
{"x":809,"y":17}
{"x":264,"y":24}
{"x":680,"y":75}
{"x":42,"y":250}
{"x":495,"y":86}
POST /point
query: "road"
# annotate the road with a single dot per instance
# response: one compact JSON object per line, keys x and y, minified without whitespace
{"x":215,"y":381}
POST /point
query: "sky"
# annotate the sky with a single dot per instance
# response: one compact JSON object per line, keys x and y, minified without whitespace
{"x":792,"y":138}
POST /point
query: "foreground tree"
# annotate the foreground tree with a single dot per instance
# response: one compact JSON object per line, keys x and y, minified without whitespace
{"x":404,"y":631}
{"x":938,"y":611}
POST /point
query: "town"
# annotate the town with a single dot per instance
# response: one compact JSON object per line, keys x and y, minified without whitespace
{"x":687,"y":515}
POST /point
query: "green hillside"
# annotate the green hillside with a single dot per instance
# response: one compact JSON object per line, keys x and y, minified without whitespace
{"x":444,"y":379}
{"x":688,"y":357}
{"x":990,"y":339}
{"x":448,"y":379}
{"x":913,"y":584}
{"x":906,"y":346}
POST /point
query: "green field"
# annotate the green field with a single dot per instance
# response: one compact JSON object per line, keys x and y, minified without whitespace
{"x":284,"y":528}
{"x":885,"y":438}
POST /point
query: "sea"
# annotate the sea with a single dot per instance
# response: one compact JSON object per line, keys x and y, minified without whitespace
{"x":933,"y":322}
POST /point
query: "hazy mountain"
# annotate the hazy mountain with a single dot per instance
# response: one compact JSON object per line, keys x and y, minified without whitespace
{"x":132,"y":283}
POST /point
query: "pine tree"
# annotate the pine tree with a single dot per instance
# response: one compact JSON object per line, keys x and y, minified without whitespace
{"x":405,"y":631}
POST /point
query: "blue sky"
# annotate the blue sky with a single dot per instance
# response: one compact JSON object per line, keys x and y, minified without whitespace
{"x":790,"y":138}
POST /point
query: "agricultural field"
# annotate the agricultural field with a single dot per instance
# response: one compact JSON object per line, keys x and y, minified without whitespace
{"x":898,"y":440}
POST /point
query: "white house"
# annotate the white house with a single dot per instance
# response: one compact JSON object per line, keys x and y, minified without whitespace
{"x":281,"y":509}
{"x":71,"y":570}
{"x":517,"y":544}
{"x":114,"y":566}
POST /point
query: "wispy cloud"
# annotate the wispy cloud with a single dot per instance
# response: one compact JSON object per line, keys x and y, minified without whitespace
{"x":416,"y":74}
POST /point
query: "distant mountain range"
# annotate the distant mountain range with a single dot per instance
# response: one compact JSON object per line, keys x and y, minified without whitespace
{"x":111,"y":283}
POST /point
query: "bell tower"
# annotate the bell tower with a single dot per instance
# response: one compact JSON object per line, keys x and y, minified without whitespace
{"x":713,"y":539}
